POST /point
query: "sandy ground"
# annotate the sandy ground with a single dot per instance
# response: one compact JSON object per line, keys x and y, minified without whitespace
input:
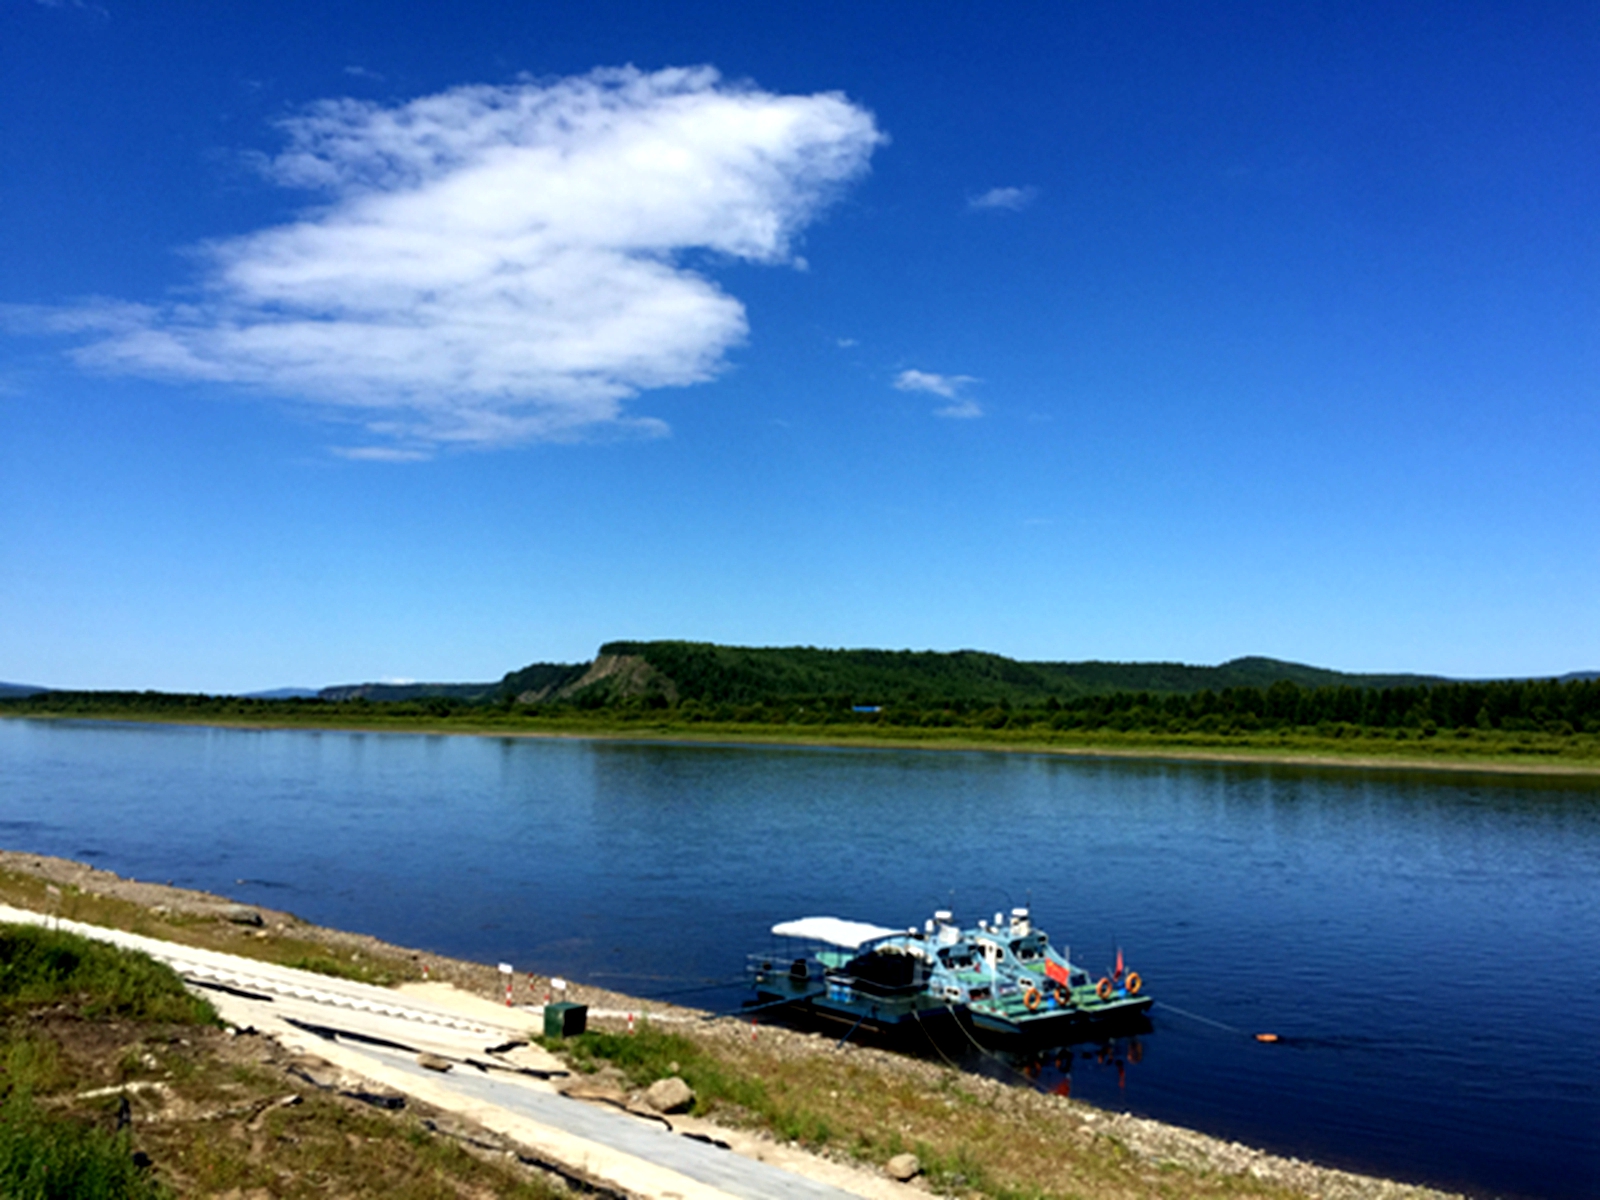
{"x":477,"y":985}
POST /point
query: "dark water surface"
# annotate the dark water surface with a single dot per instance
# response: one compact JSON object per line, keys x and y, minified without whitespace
{"x":1427,"y":944}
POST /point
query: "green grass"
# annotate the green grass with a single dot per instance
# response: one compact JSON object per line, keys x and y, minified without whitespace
{"x":51,"y":1158}
{"x":42,"y":1155}
{"x":651,"y":1054}
{"x":42,"y":966}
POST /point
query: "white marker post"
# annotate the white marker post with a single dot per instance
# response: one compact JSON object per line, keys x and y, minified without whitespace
{"x":510,"y":973}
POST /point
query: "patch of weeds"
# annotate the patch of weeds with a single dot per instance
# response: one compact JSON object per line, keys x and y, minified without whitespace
{"x":953,"y":1172}
{"x":44,"y":966}
{"x":46,"y":1158}
{"x":650,"y":1054}
{"x":31,"y":1064}
{"x":360,"y":970}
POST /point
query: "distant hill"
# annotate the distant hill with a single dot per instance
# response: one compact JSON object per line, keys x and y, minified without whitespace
{"x":531,"y":684}
{"x":673,"y":671}
{"x":20,"y":689}
{"x":471,"y":692}
{"x":284,"y":693}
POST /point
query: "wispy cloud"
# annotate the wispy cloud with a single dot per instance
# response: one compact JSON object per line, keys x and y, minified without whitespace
{"x":394,"y":454}
{"x":496,"y":265}
{"x":948,"y":386}
{"x":1005,"y":199}
{"x":76,"y":5}
{"x":359,"y":72}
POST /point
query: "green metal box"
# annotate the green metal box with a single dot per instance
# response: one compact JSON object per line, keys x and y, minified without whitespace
{"x":565,"y":1020}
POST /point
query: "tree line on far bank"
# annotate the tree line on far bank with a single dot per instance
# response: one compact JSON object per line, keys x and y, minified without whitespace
{"x":1551,"y":707}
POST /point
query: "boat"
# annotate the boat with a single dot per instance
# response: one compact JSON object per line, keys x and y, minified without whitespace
{"x":1001,"y":978}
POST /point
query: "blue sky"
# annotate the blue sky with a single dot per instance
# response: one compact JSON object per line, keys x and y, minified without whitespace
{"x":353,"y":342}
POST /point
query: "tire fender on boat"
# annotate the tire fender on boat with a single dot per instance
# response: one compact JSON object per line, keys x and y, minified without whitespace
{"x":1031,"y":998}
{"x":1134,"y":983}
{"x":1104,"y":988}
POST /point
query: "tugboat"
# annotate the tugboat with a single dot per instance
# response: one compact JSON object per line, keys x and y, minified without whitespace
{"x":1002,"y":978}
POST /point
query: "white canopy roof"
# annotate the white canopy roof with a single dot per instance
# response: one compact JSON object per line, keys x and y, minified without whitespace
{"x":852,"y":935}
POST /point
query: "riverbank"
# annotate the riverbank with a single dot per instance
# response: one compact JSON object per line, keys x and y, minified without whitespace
{"x":1534,"y":754}
{"x":976,"y":1136}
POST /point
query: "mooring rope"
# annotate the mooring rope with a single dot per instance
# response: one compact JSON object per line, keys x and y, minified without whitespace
{"x":1183,"y":1012}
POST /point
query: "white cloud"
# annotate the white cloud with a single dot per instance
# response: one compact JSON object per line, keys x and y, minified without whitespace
{"x":962,"y":408}
{"x":360,"y":72}
{"x":927,"y":381}
{"x":497,"y":265}
{"x":1010,"y":199}
{"x":948,"y":386}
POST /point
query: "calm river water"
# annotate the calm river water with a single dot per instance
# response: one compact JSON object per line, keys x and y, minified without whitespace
{"x":1428,"y":945}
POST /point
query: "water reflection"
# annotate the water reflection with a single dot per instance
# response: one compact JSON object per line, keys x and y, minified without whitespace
{"x":1099,"y":1065}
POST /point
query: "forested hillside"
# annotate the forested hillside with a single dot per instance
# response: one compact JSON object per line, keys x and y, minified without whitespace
{"x":713,"y":674}
{"x":701,"y":684}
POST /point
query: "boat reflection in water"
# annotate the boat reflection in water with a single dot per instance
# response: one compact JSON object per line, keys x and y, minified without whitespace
{"x":1096,"y":1064}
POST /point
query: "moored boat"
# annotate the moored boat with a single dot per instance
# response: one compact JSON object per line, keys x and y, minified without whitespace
{"x":1001,"y":977}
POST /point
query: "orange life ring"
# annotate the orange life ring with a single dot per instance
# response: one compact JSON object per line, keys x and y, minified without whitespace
{"x":1061,"y":996}
{"x":1134,"y":983}
{"x":1031,"y":998}
{"x":1103,"y":989}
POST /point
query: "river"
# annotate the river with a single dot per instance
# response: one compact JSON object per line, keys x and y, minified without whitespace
{"x":1427,"y":945}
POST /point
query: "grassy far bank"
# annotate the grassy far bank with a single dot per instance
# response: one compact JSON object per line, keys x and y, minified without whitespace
{"x":1539,"y":749}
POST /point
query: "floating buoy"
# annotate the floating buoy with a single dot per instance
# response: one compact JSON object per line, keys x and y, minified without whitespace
{"x":1266,"y":1037}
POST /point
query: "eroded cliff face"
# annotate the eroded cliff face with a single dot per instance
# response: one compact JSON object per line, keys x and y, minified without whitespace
{"x":623,"y":675}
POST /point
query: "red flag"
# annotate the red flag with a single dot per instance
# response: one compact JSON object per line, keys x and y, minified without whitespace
{"x":1119,"y":962}
{"x":1056,"y":971}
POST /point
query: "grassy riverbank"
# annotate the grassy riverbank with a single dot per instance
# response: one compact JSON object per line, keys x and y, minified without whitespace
{"x":1522,"y":751}
{"x":212,"y":1110}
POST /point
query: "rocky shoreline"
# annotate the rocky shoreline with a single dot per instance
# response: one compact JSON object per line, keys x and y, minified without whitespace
{"x":44,"y":883}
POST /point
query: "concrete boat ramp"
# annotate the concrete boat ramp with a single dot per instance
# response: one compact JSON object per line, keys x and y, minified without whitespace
{"x":494,"y":1078}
